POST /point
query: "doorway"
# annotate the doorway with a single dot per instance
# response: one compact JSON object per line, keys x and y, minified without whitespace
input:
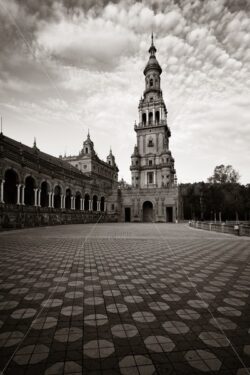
{"x":147,"y":212}
{"x":127,"y":215}
{"x":169,"y":214}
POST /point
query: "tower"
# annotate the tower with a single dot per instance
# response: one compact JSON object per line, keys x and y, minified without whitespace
{"x":152,"y":165}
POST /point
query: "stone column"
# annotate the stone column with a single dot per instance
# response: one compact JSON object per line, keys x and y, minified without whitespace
{"x":140,"y":116}
{"x":153,"y":115}
{"x":35,"y":197}
{"x":71,"y":203}
{"x":83,"y":203}
{"x":74,"y":203}
{"x":98,"y":206}
{"x":90,"y":205}
{"x":105,"y":206}
{"x":52,"y":200}
{"x":61,"y":200}
{"x":39,"y":198}
{"x":23,"y":190}
{"x":49,"y":194}
{"x":18,"y":194}
{"x":147,"y":116}
{"x":64,"y":199}
{"x":2,"y":191}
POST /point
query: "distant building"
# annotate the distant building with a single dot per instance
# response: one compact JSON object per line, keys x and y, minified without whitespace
{"x":39,"y":189}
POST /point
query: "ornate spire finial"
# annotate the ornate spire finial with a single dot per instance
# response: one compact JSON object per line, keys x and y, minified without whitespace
{"x":152,"y":48}
{"x":88,"y":134}
{"x":34,"y":143}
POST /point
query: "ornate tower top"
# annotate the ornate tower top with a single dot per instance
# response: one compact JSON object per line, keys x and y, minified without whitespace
{"x":152,"y":62}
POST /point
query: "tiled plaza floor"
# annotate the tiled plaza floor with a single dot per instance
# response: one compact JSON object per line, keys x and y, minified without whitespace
{"x":128,"y":299}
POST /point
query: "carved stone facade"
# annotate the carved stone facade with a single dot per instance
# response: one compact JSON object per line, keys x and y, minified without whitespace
{"x":39,"y":189}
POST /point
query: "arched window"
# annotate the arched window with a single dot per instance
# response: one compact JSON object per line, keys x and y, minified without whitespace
{"x":150,"y":117}
{"x":78,"y":201}
{"x":86,"y":150}
{"x":29,"y":194}
{"x":57,"y":196}
{"x":44,"y":194}
{"x":102,"y":203}
{"x":68,"y":199}
{"x":86,"y":202}
{"x":150,"y":143}
{"x":151,"y":82}
{"x":157,"y":117}
{"x":95,"y":199}
{"x":10,"y":188}
{"x":144,"y":119}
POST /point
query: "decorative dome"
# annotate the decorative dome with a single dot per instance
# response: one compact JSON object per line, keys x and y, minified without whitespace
{"x":152,"y":62}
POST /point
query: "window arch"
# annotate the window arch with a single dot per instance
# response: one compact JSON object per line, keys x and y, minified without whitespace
{"x":29,"y":194}
{"x":10,"y":188}
{"x":57,"y":196}
{"x":44,"y":194}
{"x":102,"y":203}
{"x":150,"y":117}
{"x":86,"y":202}
{"x":68,"y":199}
{"x":78,"y":200}
{"x":95,"y":199}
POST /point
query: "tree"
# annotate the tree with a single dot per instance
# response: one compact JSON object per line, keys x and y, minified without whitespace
{"x":224,"y":174}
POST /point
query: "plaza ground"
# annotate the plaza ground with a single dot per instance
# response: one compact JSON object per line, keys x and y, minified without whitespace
{"x":124,"y":299}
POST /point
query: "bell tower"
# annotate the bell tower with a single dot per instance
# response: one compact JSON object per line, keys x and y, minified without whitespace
{"x":152,"y":165}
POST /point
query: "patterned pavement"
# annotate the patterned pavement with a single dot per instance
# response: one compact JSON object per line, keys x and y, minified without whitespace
{"x":131,"y":299}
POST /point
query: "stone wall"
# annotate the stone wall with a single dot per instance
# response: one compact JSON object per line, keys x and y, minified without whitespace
{"x":16,"y":217}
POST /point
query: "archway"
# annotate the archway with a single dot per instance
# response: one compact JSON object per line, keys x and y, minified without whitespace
{"x":86,"y":202}
{"x":68,"y":199}
{"x":147,"y":209}
{"x":102,"y":203}
{"x":78,"y":201}
{"x":44,"y":194}
{"x":10,"y":188}
{"x":29,"y":194}
{"x":157,"y":117}
{"x":144,"y":119}
{"x":57,"y":196}
{"x":150,"y":118}
{"x":95,"y":199}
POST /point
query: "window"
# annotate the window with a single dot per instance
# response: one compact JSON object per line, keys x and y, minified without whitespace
{"x":151,"y":82}
{"x":151,"y":99}
{"x":150,"y":177}
{"x":85,"y":166}
{"x":150,"y":143}
{"x":112,"y":207}
{"x":136,"y":162}
{"x":87,"y":150}
{"x":150,"y":162}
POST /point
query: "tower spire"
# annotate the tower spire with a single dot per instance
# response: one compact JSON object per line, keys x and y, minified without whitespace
{"x":152,"y":48}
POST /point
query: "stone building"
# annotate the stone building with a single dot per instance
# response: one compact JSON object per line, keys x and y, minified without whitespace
{"x":153,"y":195}
{"x":39,"y":189}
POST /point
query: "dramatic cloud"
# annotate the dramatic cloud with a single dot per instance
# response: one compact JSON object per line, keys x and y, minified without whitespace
{"x":66,"y":66}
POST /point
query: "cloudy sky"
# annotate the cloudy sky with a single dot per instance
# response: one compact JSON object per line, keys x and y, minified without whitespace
{"x":73,"y":65}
